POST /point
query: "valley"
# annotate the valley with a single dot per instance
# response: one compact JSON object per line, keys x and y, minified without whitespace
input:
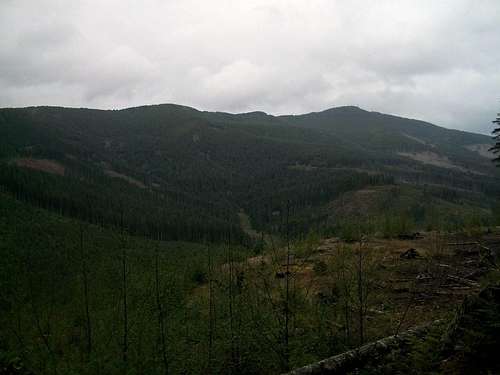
{"x":254,"y":187}
{"x":165,"y":239}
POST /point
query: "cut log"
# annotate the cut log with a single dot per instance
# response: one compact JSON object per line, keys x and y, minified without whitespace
{"x":356,"y":358}
{"x":463,"y":281}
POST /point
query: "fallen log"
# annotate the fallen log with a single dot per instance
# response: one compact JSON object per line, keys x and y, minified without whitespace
{"x":476,"y":274}
{"x":356,"y":358}
{"x":463,"y":281}
{"x":462,"y":243}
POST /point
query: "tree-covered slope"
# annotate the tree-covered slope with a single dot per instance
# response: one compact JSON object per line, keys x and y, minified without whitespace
{"x":69,"y":288}
{"x":188,"y":173}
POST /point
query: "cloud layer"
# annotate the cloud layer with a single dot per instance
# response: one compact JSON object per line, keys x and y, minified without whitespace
{"x":434,"y":60}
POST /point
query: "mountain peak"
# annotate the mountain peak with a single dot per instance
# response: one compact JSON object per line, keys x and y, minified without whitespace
{"x":351,"y":108}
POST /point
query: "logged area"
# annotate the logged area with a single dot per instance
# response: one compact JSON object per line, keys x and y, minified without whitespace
{"x":163,"y":239}
{"x":286,"y":307}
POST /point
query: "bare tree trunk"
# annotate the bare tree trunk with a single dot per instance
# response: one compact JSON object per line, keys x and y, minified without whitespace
{"x":88,"y":326}
{"x":231,"y":314}
{"x":18,"y":327}
{"x":360,"y":295}
{"x":36,"y":316}
{"x":346,"y":306}
{"x":124,"y":291}
{"x":405,"y":313}
{"x":210,"y":311}
{"x":159,"y":307}
{"x":287,"y":292}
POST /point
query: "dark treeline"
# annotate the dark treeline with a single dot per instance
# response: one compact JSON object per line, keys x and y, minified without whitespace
{"x":89,"y":195}
{"x":115,"y":203}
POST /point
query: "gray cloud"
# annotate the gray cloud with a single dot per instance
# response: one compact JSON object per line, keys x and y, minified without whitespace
{"x":437,"y":61}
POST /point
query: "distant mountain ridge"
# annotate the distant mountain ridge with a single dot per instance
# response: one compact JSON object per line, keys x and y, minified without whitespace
{"x":192,"y":166}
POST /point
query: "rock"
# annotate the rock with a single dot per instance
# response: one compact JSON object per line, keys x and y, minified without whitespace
{"x":410,"y":236}
{"x":411,"y":253}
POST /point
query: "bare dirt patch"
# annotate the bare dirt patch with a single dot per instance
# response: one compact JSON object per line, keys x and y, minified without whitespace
{"x":246,"y":225}
{"x":431,"y":158}
{"x":44,"y":165}
{"x":355,"y":202}
{"x":483,"y":149}
{"x":129,"y":179}
{"x":445,"y":270}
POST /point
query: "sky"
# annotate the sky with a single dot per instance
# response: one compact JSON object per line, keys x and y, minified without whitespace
{"x":437,"y":61}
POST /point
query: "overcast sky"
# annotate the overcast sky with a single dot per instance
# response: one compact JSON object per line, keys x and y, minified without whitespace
{"x":434,"y":60}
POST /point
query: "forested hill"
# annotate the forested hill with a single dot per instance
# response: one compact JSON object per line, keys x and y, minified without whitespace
{"x":181,"y":173}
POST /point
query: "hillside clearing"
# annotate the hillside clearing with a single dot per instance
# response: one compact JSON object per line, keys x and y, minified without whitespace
{"x":428,"y":157}
{"x":44,"y":165}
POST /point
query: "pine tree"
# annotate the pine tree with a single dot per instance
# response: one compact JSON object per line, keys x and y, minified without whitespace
{"x":496,"y":136}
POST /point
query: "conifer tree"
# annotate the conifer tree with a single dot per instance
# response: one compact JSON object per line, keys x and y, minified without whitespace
{"x":496,"y":136}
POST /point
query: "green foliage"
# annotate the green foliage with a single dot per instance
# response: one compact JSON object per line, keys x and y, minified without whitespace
{"x":95,"y":276}
{"x":199,"y":276}
{"x":496,"y":213}
{"x":259,"y":246}
{"x":396,"y":225}
{"x":320,"y":268}
{"x":42,"y":307}
{"x":186,"y":173}
{"x":12,"y":365}
{"x":42,"y":284}
{"x":471,"y":341}
{"x":350,"y":231}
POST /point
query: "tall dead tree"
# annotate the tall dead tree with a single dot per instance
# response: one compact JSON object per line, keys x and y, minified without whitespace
{"x":125,"y":343}
{"x":361,"y":318}
{"x":160,"y":310}
{"x":211,"y":311}
{"x":230,"y":263}
{"x":85,"y":281}
{"x":344,"y":283}
{"x":43,"y":334}
{"x":287,"y":292}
